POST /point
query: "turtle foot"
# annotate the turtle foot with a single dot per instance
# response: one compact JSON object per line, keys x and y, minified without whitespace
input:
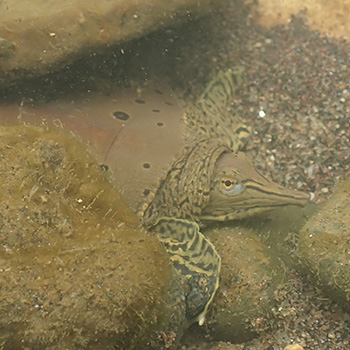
{"x":201,"y":291}
{"x":194,"y":257}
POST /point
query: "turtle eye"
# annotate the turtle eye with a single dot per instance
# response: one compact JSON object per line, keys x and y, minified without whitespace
{"x":228,"y":184}
{"x":231,"y":187}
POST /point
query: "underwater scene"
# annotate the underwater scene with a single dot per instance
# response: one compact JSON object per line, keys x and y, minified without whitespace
{"x":175,"y":174}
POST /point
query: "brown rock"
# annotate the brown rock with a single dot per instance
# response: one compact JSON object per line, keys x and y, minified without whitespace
{"x":75,"y":269}
{"x":249,"y":287}
{"x":293,"y":347}
{"x":40,"y":35}
{"x":324,"y":246}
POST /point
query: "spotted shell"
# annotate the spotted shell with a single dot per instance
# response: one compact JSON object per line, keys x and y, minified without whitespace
{"x":149,"y":139}
{"x":137,"y":134}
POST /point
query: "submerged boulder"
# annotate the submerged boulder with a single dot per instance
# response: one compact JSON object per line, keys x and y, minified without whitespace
{"x":257,"y":255}
{"x":251,"y":280}
{"x":324,"y":246}
{"x":37,"y":36}
{"x":76,"y":271}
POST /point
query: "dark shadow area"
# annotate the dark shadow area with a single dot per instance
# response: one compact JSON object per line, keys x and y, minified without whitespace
{"x":181,"y":55}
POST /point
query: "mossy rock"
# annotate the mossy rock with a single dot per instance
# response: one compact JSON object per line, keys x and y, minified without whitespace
{"x":37,"y":36}
{"x":324,"y":246}
{"x":279,"y":229}
{"x":76,"y":271}
{"x":250,"y":284}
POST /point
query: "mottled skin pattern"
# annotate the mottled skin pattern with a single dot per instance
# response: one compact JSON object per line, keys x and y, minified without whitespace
{"x":210,"y":117}
{"x":185,"y":192}
{"x":196,"y":259}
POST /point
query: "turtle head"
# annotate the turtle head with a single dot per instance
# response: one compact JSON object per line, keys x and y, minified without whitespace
{"x":238,"y":190}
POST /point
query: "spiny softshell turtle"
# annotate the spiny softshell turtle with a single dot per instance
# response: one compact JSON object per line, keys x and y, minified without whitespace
{"x":175,"y":169}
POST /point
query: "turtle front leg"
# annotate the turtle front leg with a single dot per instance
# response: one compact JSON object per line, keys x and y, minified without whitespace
{"x":196,"y":259}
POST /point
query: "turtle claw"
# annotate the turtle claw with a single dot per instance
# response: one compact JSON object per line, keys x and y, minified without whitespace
{"x":201,"y":292}
{"x":195,"y":258}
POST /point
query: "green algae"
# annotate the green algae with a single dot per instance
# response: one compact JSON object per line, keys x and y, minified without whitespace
{"x":76,"y":271}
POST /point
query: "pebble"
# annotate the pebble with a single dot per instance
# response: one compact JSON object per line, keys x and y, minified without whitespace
{"x":293,"y":347}
{"x":324,"y":190}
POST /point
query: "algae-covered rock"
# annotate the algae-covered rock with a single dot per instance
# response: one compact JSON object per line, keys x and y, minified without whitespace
{"x":250,"y":281}
{"x":76,"y":272}
{"x":37,"y":36}
{"x":324,"y":246}
{"x":279,"y":230}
